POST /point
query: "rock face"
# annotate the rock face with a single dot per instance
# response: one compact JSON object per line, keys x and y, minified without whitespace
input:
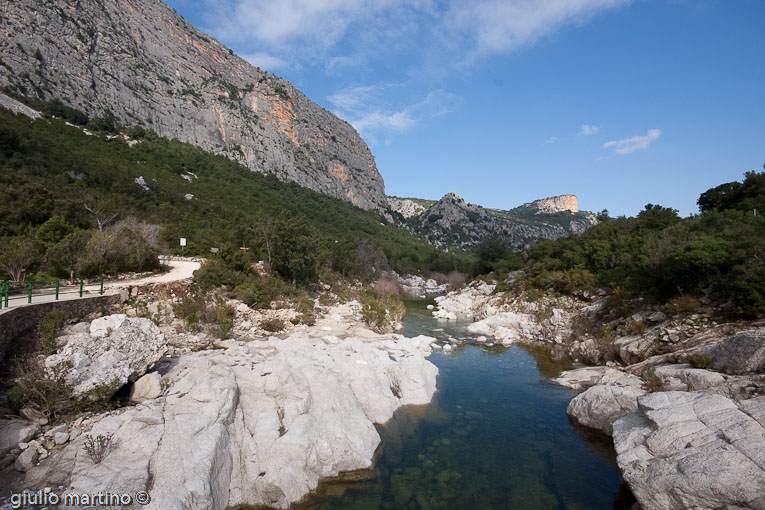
{"x":266,"y":420}
{"x":143,"y":63}
{"x":555,"y":204}
{"x":452,"y":221}
{"x":690,"y":450}
{"x":112,"y":347}
{"x":405,"y":207}
{"x":600,"y":406}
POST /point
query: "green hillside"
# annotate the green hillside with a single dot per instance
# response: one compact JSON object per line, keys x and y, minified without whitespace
{"x":51,"y":173}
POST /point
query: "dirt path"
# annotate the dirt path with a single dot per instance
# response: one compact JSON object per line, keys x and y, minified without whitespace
{"x":179,"y":270}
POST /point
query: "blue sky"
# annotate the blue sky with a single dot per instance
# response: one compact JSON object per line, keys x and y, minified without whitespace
{"x":621,"y":102}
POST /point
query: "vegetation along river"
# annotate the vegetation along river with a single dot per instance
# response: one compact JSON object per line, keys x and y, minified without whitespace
{"x":496,"y":436}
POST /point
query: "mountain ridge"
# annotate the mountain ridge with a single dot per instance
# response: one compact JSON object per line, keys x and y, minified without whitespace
{"x":451,"y":221}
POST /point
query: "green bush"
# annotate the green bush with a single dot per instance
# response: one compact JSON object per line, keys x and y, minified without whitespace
{"x":682,"y":304}
{"x":380,"y":313}
{"x":635,"y":328}
{"x":651,"y":381}
{"x":49,"y":327}
{"x":272,"y":325}
{"x":699,"y":361}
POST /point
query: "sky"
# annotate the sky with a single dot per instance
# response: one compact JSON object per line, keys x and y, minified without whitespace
{"x":620,"y":102}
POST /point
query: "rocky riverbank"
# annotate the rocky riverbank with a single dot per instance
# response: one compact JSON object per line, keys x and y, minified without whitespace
{"x":255,"y":420}
{"x":680,"y":394}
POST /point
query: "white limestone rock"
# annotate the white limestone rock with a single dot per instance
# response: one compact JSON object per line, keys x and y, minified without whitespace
{"x":263,"y":432}
{"x":115,"y":347}
{"x":600,"y":406}
{"x":146,"y":388}
{"x":693,"y":450}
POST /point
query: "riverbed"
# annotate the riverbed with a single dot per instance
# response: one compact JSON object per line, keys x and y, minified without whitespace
{"x":496,"y":436}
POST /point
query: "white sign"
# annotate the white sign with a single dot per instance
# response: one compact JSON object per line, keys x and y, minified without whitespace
{"x":183,"y":241}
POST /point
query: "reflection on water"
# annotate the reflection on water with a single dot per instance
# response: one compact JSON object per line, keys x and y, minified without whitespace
{"x":496,"y":436}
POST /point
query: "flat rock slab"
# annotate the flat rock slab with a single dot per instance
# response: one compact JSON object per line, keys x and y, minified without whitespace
{"x":691,"y":450}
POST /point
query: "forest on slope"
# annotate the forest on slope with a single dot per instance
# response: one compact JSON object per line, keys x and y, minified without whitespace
{"x":80,"y":204}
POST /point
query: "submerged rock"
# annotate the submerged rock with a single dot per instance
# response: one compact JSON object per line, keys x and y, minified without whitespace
{"x":691,"y":450}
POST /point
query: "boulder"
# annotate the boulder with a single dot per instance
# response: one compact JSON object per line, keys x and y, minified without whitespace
{"x":115,"y":349}
{"x":634,"y":348}
{"x":26,"y":460}
{"x":13,"y":432}
{"x":739,"y":353}
{"x":692,"y":450}
{"x":504,"y":326}
{"x":147,"y":387}
{"x":600,"y":406}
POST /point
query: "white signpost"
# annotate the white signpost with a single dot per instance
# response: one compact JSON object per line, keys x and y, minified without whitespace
{"x":183,"y":244}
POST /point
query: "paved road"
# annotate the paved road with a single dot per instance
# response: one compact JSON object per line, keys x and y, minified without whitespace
{"x":179,"y":270}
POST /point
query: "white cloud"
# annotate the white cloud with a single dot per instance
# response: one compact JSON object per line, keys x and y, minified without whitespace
{"x":551,"y":140}
{"x":633,"y":143}
{"x":588,"y":130}
{"x":505,"y":25}
{"x":365,"y":108}
{"x":265,"y":61}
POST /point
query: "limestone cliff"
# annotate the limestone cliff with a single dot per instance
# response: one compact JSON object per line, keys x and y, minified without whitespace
{"x":144,"y":64}
{"x":453,"y":222}
{"x":555,"y":204}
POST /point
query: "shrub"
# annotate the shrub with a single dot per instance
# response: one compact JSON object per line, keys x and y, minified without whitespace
{"x":381,"y":313}
{"x":456,"y":279}
{"x":681,"y":304}
{"x":49,"y":327}
{"x":191,"y":304}
{"x":44,"y":390}
{"x":272,"y":325}
{"x":308,"y":319}
{"x":220,"y":314}
{"x":635,"y":328}
{"x":652,"y":382}
{"x":96,"y":447}
{"x":699,"y":361}
{"x":387,"y":286}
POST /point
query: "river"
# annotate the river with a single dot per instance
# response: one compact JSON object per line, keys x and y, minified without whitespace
{"x":495,"y":436}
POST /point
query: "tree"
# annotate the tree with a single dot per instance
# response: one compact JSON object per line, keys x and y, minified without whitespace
{"x":294,"y":251}
{"x":17,"y":256}
{"x":102,"y":212}
{"x":66,"y":254}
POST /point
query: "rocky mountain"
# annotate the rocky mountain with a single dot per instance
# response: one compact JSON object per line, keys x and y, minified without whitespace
{"x":453,"y":222}
{"x":406,"y":207}
{"x":138,"y":62}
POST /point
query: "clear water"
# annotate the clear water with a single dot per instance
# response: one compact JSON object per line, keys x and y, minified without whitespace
{"x":496,"y":436}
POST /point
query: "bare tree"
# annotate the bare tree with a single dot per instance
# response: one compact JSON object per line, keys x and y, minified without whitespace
{"x":102,"y":213}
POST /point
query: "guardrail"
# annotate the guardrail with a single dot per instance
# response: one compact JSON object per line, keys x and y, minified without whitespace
{"x":20,"y":293}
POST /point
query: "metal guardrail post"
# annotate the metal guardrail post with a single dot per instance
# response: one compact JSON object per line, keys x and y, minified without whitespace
{"x":81,"y":284}
{"x":56,"y":290}
{"x":29,"y":296}
{"x":102,"y":285}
